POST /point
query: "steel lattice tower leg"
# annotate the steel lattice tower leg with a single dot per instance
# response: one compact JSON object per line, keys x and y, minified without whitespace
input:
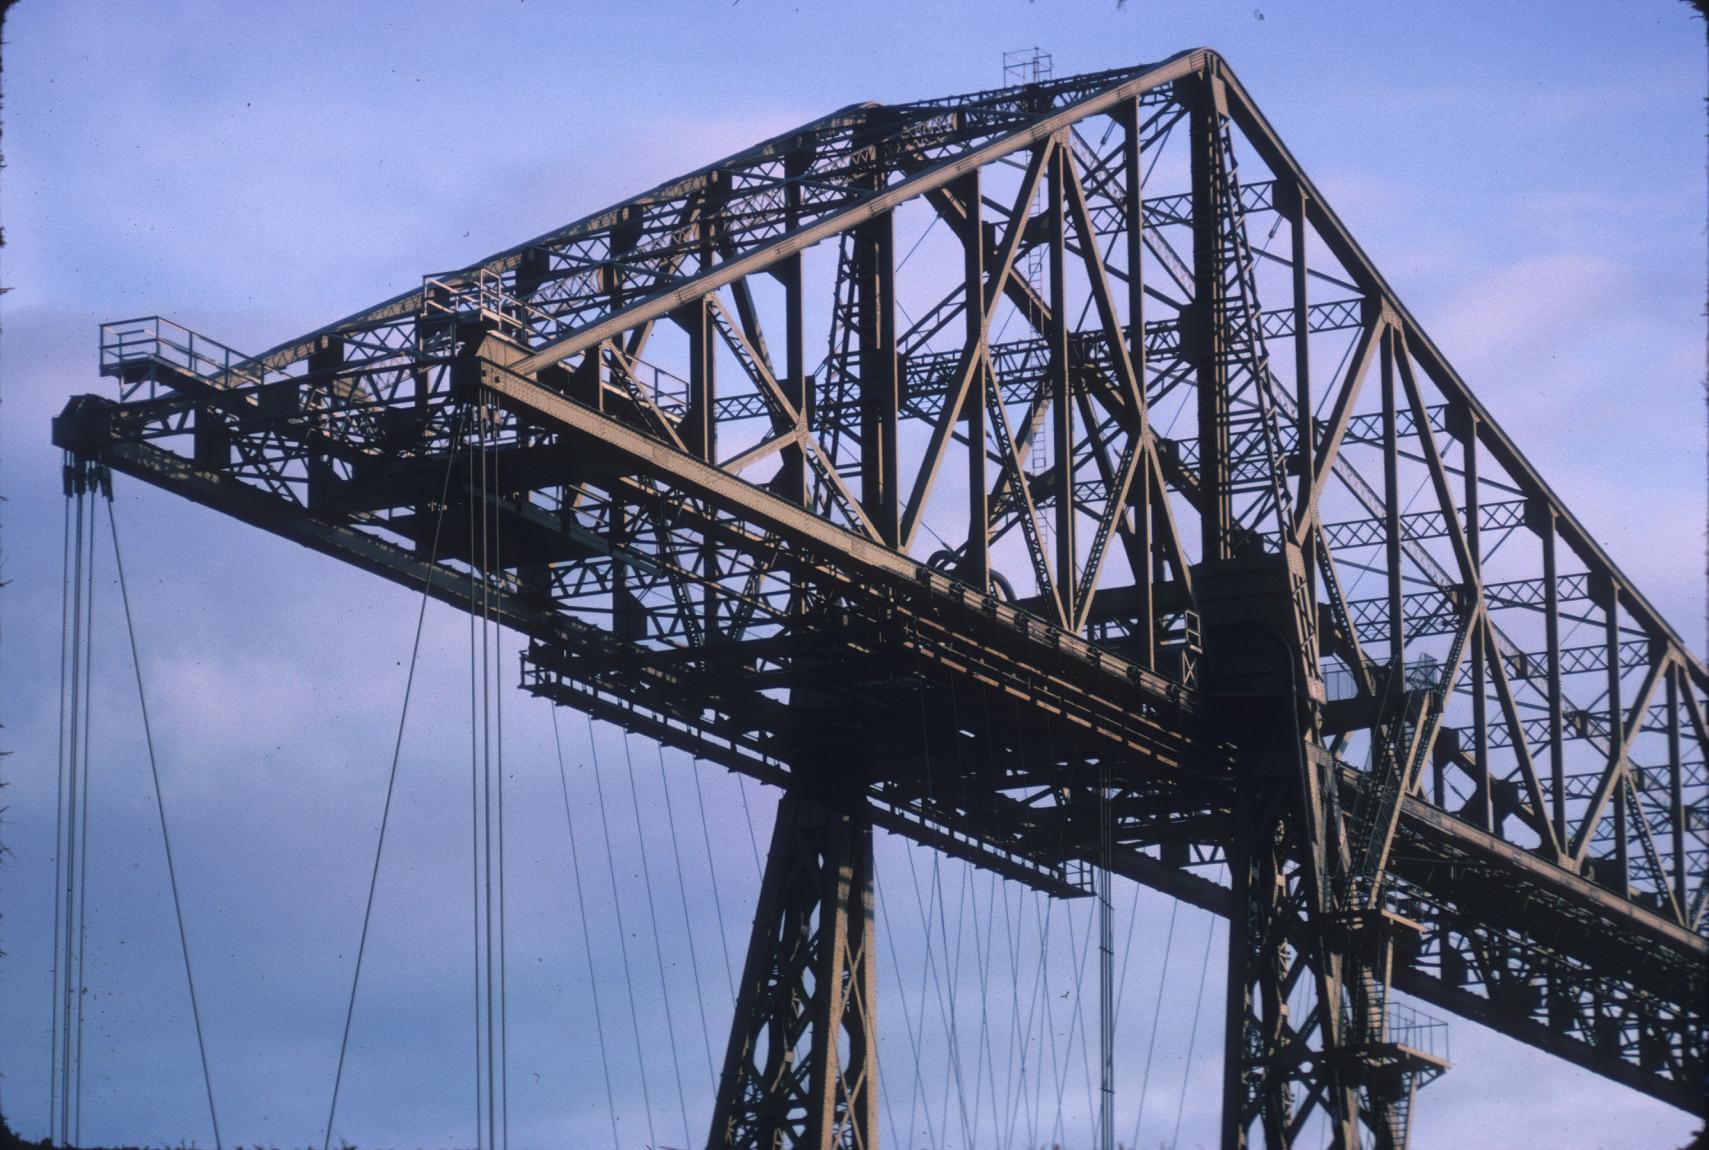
{"x":802,"y":1065}
{"x":1277,"y":1067}
{"x":1311,"y":947}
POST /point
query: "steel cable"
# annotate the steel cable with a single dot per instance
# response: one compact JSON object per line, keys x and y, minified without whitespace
{"x":1156,"y":1011}
{"x":475,"y":833}
{"x":83,"y":828}
{"x":946,"y":1011}
{"x":914,"y":1040}
{"x":1193,"y":1034}
{"x":622,"y":934}
{"x":712,"y":873}
{"x":59,"y":807}
{"x":503,"y":934}
{"x":165,"y":834}
{"x":658,"y":944}
{"x":391,"y":786}
{"x":487,"y":781}
{"x":63,"y":1008}
{"x":687,"y":920}
{"x":587,"y":935}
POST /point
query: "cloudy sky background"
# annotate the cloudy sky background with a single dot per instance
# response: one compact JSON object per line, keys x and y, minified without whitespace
{"x":1530,"y":180}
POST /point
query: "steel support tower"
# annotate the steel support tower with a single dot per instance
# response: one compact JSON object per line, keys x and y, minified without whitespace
{"x":1051,"y":577}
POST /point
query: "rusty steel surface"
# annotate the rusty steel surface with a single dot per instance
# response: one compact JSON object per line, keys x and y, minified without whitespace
{"x":1089,"y":541}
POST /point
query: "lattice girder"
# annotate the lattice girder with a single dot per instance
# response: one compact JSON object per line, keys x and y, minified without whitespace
{"x":999,"y":509}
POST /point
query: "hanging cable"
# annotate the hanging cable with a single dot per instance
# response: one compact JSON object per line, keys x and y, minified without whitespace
{"x":687,"y":921}
{"x":83,"y":823}
{"x":658,"y":945}
{"x":165,"y":833}
{"x":748,"y":816}
{"x":935,"y":897}
{"x":71,"y":821}
{"x":712,"y":873}
{"x":69,"y":813}
{"x":951,"y":967}
{"x":1000,"y":1124}
{"x":1078,"y":952}
{"x":1156,"y":1012}
{"x":59,"y":807}
{"x":1193,"y":1033}
{"x":914,"y":1038}
{"x":1127,"y":950}
{"x":1080,"y":1020}
{"x":926,"y":971}
{"x":496,"y":491}
{"x":587,"y":935}
{"x":622,"y":935}
{"x":969,"y":893}
{"x":475,"y":817}
{"x":1046,"y":1024}
{"x":981,"y":955}
{"x":391,"y":786}
{"x":1106,"y":968}
{"x":487,"y":778}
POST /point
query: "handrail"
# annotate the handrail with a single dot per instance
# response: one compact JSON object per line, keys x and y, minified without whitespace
{"x":158,"y":340}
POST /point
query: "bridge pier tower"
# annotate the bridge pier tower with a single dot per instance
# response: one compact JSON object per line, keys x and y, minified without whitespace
{"x":801,"y":1069}
{"x":1311,"y":944}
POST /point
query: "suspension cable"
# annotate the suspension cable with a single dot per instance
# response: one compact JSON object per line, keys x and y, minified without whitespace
{"x":622,"y":934}
{"x":67,"y":970}
{"x":492,"y":489}
{"x":391,"y":786}
{"x":1106,"y":968}
{"x":712,"y":873}
{"x":475,"y":822}
{"x":1156,"y":1011}
{"x":487,"y":779}
{"x":687,"y":922}
{"x":1193,"y":1033}
{"x":59,"y":806}
{"x":935,"y":896}
{"x":658,"y":945}
{"x":914,"y":1038}
{"x":587,"y":935}
{"x":83,"y":820}
{"x":165,"y":835}
{"x":748,"y":816}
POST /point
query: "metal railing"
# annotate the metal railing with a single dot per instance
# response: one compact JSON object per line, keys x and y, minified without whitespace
{"x":1422,"y":674}
{"x":1415,"y":1030}
{"x":155,"y":339}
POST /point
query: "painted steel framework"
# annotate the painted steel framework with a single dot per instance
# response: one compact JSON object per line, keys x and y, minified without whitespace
{"x":1098,"y":576}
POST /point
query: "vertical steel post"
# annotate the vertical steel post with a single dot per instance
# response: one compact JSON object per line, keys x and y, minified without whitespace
{"x":699,"y":432}
{"x":1209,"y":315}
{"x":1140,"y":551}
{"x":793,"y":481}
{"x":1552,"y":633}
{"x":1484,"y":812}
{"x":976,"y":559}
{"x":1675,"y":790}
{"x":880,"y":398}
{"x":1061,"y":382}
{"x":1305,"y":438}
{"x":1621,"y":879}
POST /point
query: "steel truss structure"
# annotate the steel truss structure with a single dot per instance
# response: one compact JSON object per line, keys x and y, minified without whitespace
{"x":1090,"y":548}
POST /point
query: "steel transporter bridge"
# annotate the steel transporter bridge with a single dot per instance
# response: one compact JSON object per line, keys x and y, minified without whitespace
{"x":1042,"y":545}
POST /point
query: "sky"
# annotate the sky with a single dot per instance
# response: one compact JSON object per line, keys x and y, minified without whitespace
{"x":1528,"y":177}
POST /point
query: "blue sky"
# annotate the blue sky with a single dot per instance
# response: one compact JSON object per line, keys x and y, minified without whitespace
{"x":1529,"y":178}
